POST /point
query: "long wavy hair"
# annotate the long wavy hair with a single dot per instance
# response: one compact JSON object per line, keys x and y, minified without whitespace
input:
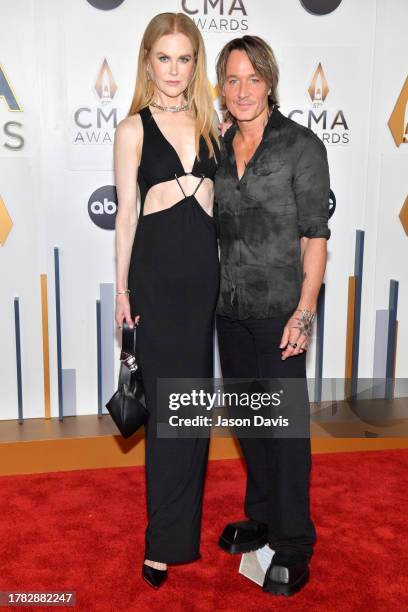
{"x":198,"y":92}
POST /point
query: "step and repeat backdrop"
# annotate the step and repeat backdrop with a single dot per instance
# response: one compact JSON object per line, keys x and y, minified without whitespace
{"x":67,"y":73}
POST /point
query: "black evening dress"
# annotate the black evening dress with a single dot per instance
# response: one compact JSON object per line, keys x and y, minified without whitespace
{"x":173,"y":282}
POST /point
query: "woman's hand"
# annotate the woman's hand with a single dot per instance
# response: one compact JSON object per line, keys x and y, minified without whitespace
{"x":123,"y":311}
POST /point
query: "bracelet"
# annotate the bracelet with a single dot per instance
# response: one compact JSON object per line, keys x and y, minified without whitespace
{"x":307,"y":313}
{"x":122,"y":292}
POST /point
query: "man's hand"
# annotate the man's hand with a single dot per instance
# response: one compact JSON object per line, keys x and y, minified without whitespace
{"x":297,"y":333}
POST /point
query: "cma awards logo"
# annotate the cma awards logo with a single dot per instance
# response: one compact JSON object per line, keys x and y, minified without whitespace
{"x":217,"y":15}
{"x":97,"y":124}
{"x":10,"y":129}
{"x":398,"y":122}
{"x":330,"y":125}
{"x":102,"y":207}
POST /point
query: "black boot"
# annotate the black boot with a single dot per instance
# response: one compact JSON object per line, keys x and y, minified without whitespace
{"x":287,"y":574}
{"x":243,"y":536}
{"x":153,"y":576}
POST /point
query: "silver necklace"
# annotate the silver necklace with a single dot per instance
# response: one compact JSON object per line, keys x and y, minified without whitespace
{"x":171,"y":109}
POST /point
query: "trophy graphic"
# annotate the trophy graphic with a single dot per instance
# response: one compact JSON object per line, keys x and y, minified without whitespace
{"x":318,"y":88}
{"x":105,"y":85}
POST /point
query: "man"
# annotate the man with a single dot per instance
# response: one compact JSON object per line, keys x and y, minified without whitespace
{"x":272,"y":190}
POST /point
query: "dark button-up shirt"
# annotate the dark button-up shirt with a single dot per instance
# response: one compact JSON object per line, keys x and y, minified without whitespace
{"x":282,"y":196}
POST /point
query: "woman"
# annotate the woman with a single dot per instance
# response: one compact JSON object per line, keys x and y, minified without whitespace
{"x":168,"y":254}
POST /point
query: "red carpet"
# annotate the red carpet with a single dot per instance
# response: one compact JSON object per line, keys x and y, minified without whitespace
{"x":83,"y":530}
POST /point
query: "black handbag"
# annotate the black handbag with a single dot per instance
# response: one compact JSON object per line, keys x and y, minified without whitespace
{"x":127,"y":405}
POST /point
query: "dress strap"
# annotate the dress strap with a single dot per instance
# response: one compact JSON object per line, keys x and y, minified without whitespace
{"x":195,"y":190}
{"x":180,"y":185}
{"x":202,"y":178}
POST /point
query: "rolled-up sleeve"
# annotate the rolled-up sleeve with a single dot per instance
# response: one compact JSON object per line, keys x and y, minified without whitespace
{"x":311,"y":185}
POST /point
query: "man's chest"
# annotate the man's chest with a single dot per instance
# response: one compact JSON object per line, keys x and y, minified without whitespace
{"x":243,"y":153}
{"x":265,"y":180}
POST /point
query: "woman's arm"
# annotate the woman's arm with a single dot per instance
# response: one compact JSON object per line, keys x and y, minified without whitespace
{"x":127,"y":148}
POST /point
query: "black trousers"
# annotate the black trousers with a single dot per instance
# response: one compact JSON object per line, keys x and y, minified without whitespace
{"x":277,"y":492}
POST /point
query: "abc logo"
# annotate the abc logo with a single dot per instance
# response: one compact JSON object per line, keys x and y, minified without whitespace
{"x":102,"y":207}
{"x":320,"y":7}
{"x":105,"y":5}
{"x":332,"y":203}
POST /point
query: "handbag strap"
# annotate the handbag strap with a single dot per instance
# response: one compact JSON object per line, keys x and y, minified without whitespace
{"x":128,"y":353}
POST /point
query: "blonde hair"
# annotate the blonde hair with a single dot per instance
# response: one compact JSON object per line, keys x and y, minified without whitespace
{"x":262,"y":59}
{"x":198,"y":92}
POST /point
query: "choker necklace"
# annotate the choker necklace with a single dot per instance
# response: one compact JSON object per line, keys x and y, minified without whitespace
{"x":171,"y":109}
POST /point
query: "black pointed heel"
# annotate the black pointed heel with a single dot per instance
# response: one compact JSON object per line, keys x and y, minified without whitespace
{"x":153,"y":576}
